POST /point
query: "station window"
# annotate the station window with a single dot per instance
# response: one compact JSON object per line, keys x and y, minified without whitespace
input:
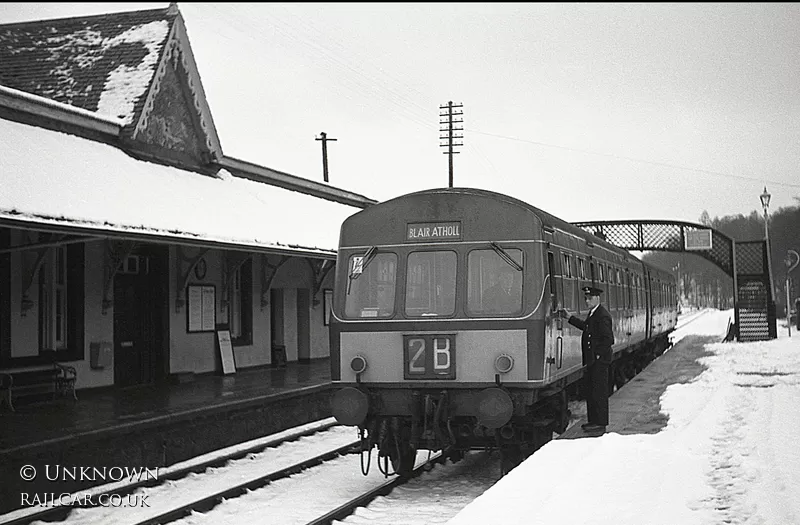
{"x":240,"y":310}
{"x":431,"y":284}
{"x":53,"y":308}
{"x":370,"y":287}
{"x":60,"y":301}
{"x":494,"y":287}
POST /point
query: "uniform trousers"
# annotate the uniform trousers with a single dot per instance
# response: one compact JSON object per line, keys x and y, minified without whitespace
{"x":597,"y":394}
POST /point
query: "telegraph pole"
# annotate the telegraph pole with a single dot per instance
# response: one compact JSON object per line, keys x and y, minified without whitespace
{"x":450,"y":130}
{"x":324,"y":138}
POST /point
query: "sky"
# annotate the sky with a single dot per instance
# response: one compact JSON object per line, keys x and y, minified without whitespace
{"x":726,"y":455}
{"x":588,"y":111}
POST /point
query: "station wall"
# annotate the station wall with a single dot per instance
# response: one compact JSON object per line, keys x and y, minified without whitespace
{"x":303,"y":329}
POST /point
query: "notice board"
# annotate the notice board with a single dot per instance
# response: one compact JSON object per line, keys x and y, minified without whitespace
{"x":201,"y":311}
{"x":226,"y":351}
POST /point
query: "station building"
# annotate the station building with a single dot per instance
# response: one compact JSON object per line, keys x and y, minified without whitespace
{"x":131,"y":246}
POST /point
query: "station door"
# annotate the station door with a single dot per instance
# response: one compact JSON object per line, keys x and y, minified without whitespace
{"x":139,"y":318}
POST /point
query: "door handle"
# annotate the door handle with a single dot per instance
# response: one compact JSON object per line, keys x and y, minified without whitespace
{"x":560,"y":351}
{"x":126,"y":344}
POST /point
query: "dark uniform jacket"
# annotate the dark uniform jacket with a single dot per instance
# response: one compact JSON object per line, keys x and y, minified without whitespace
{"x":597,"y":337}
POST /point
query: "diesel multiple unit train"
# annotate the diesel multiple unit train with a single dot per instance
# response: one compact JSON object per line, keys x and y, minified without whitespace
{"x":444,"y":331}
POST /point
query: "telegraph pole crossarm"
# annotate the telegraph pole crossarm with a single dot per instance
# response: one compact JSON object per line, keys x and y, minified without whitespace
{"x":451,"y":135}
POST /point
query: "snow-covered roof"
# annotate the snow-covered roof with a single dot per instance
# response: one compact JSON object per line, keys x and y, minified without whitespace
{"x":52,"y":178}
{"x":104,"y":64}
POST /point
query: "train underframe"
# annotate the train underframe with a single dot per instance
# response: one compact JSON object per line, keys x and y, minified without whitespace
{"x":436,"y":425}
{"x":402,"y":421}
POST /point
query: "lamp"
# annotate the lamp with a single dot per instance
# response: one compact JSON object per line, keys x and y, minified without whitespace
{"x":765,"y":200}
{"x":765,"y":203}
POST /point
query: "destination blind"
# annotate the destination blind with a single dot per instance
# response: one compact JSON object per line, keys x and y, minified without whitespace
{"x":433,"y":231}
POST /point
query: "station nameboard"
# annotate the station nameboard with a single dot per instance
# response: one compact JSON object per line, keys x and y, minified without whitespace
{"x":698,"y":240}
{"x":433,"y":231}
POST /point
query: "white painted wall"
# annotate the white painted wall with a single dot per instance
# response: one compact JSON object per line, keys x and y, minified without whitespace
{"x":197,"y":351}
{"x":259,"y":353}
{"x":320,"y":340}
{"x":97,"y":326}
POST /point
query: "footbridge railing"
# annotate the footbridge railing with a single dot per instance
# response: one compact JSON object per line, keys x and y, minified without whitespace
{"x":745,"y":262}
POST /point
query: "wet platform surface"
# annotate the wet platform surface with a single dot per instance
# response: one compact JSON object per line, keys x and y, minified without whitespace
{"x":635,"y":408}
{"x":64,"y":419}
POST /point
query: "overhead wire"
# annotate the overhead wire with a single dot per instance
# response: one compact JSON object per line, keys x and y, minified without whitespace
{"x":407,"y":102}
{"x":633,"y":159}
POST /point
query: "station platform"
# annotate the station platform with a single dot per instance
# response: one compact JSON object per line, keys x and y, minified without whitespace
{"x":154,"y":425}
{"x":635,"y":408}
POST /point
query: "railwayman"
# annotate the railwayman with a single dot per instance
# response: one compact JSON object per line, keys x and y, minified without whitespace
{"x":596,"y":342}
{"x":797,"y":312}
{"x":505,"y":297}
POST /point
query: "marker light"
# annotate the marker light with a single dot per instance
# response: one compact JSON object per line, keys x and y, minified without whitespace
{"x":358,"y":364}
{"x":504,"y":363}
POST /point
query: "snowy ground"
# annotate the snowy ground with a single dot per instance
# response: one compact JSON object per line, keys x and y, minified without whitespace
{"x":727,"y":454}
{"x":724,"y":455}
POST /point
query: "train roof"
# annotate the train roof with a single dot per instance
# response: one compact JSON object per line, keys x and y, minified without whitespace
{"x":548,"y":220}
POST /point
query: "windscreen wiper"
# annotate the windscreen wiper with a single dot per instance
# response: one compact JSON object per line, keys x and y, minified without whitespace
{"x":505,"y":256}
{"x":360,"y":266}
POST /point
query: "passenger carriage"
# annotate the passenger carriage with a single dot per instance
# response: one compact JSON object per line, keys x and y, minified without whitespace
{"x":425,"y":354}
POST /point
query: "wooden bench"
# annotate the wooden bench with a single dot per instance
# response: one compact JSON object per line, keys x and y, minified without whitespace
{"x":54,"y":378}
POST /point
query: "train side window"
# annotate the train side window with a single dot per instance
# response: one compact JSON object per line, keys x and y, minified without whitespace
{"x":371,"y":293}
{"x":494,"y":287}
{"x":431,"y":284}
{"x":581,"y":269}
{"x":602,"y":273}
{"x":565,"y":265}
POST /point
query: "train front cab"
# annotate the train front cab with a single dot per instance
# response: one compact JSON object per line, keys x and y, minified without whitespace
{"x":415,"y":345}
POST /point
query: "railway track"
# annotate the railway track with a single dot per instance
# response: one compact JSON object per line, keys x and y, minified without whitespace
{"x":230,"y":491}
{"x":362,"y":500}
{"x":200,"y":467}
{"x":170,"y":500}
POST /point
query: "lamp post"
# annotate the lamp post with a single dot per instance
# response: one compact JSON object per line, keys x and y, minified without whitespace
{"x":765,"y":203}
{"x":789,"y":267}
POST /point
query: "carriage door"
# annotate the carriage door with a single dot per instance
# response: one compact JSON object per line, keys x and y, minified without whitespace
{"x":554,"y":350}
{"x":139,"y":313}
{"x":648,"y":328}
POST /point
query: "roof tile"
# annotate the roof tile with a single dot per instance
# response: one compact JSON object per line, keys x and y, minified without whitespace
{"x":101,"y":63}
